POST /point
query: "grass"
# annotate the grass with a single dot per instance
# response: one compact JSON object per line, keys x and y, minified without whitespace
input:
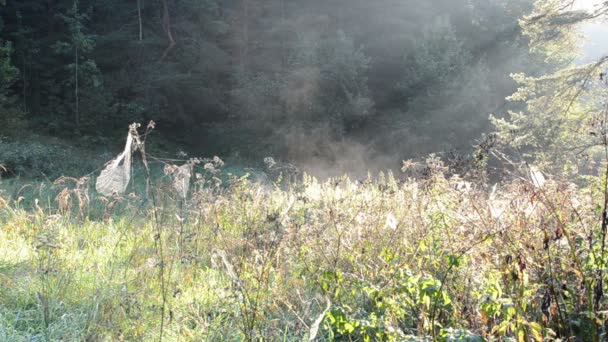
{"x":378,"y":259}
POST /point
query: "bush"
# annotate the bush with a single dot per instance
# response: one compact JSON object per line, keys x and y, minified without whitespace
{"x":12,"y":122}
{"x":41,"y":159}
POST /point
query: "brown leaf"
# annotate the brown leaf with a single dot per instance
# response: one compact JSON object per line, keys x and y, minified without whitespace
{"x":559,"y":233}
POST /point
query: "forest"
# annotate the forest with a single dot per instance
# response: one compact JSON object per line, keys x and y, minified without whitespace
{"x":317,"y":170}
{"x":302,"y":81}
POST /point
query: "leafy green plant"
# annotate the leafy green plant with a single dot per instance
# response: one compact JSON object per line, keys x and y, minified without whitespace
{"x":37,"y":159}
{"x":379,"y":260}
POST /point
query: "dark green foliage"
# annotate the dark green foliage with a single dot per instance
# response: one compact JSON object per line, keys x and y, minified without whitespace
{"x":341,"y":95}
{"x":8,"y":72}
{"x":284,"y":77}
{"x":37,"y":159}
{"x":83,"y":71}
{"x":10,"y":115}
{"x":321,"y":91}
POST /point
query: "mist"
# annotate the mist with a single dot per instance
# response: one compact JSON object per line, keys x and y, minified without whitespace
{"x":595,"y":41}
{"x":363,"y":85}
{"x":330,"y":86}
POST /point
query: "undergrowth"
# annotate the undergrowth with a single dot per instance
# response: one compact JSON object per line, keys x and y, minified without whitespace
{"x":380,"y":259}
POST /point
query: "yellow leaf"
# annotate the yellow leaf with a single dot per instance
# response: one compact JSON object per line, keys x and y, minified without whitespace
{"x":537,"y":331}
{"x":521,"y":335}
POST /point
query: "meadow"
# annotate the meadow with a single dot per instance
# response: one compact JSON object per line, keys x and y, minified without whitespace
{"x":385,"y":258}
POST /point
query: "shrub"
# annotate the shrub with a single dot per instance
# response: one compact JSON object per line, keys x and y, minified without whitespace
{"x":37,"y":159}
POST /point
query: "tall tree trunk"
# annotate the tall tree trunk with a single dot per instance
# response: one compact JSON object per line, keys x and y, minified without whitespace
{"x":24,"y":80}
{"x":283,"y":37}
{"x":75,"y":41}
{"x":167,"y":28}
{"x":244,"y":53}
{"x":141,"y":34}
{"x":76,"y":95}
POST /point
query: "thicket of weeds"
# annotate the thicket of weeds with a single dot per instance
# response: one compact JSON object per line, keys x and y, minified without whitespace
{"x":378,"y":259}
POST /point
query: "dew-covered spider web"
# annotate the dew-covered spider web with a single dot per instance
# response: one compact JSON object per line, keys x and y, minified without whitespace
{"x":115,"y":177}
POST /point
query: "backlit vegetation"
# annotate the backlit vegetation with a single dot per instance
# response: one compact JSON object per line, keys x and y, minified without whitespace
{"x":375,"y":259}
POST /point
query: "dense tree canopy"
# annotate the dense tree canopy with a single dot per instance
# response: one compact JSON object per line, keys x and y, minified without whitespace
{"x":305,"y":80}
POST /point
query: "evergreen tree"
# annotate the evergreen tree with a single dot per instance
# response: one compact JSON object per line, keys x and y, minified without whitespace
{"x":76,"y":48}
{"x":391,"y":75}
{"x":8,"y":73}
{"x":10,"y":116}
{"x":564,"y":116}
